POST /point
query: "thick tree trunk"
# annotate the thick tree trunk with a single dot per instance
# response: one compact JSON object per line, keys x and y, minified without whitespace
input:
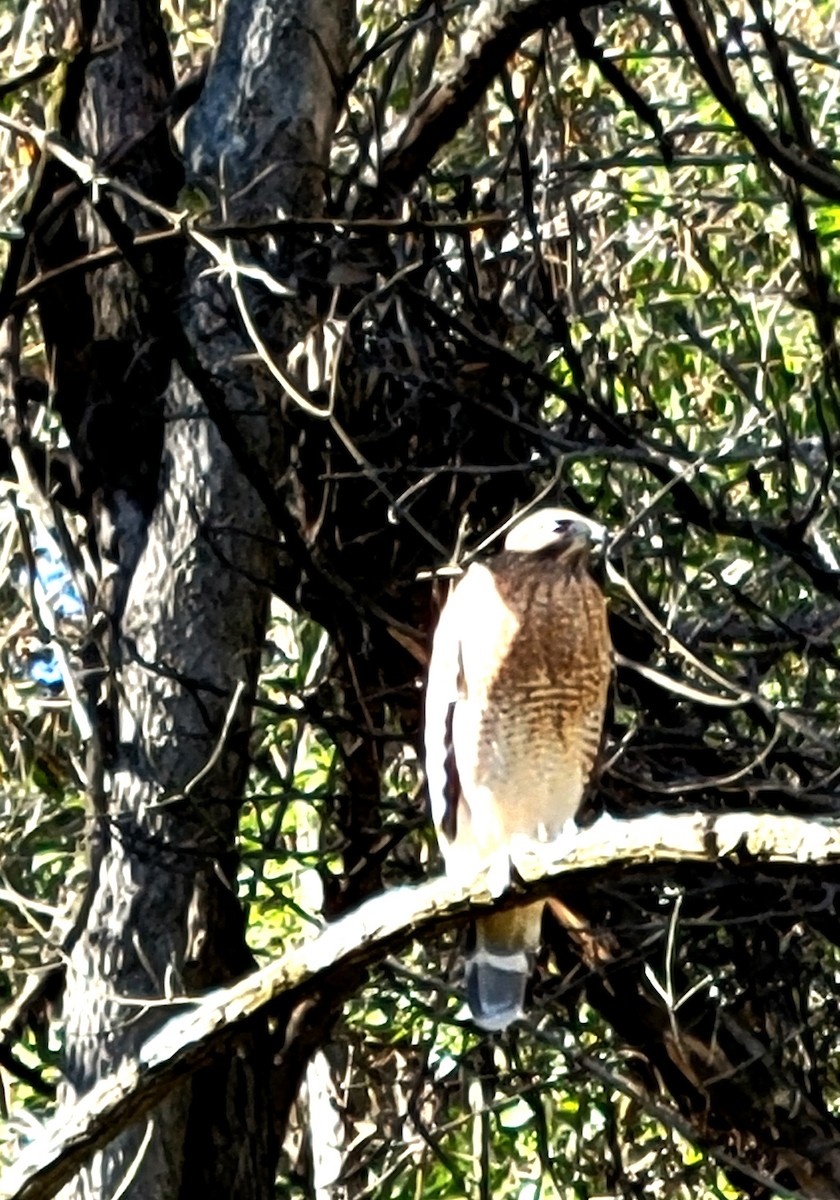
{"x":163,"y":917}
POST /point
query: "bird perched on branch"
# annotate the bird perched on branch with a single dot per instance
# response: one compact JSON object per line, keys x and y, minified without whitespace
{"x":515,"y":702}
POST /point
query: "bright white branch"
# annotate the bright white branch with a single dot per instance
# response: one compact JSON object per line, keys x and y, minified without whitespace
{"x":365,"y":936}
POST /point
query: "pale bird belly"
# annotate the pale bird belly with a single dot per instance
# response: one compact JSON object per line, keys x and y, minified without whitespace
{"x":518,"y":780}
{"x":536,"y":790}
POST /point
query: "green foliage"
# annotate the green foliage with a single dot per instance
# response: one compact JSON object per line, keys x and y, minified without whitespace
{"x":282,"y":849}
{"x":41,"y":806}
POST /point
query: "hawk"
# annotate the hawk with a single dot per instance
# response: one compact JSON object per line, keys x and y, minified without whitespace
{"x":515,"y":701}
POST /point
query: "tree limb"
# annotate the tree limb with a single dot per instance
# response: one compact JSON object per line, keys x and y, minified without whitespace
{"x":589,"y":50}
{"x":446,"y":106}
{"x":333,"y":959}
{"x":819,"y":176}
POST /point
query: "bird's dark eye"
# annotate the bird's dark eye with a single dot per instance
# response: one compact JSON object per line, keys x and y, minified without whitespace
{"x":563,"y":526}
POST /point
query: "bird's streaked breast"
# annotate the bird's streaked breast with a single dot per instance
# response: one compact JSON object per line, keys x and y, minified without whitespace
{"x":536,"y":666}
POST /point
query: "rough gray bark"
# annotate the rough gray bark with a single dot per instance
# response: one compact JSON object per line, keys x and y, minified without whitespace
{"x":163,"y":916}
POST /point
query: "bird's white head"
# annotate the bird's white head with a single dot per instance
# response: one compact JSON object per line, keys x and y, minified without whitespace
{"x":546,"y":527}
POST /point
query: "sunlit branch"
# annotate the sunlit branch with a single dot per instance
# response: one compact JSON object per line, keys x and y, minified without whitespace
{"x":331,"y":961}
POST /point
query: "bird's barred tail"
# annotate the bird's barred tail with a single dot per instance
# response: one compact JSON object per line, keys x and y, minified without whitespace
{"x":501,"y":964}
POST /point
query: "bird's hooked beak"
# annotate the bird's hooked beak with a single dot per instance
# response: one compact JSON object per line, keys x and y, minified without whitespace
{"x":584,"y":528}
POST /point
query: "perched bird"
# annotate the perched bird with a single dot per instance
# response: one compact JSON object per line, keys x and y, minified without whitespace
{"x":515,"y":702}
